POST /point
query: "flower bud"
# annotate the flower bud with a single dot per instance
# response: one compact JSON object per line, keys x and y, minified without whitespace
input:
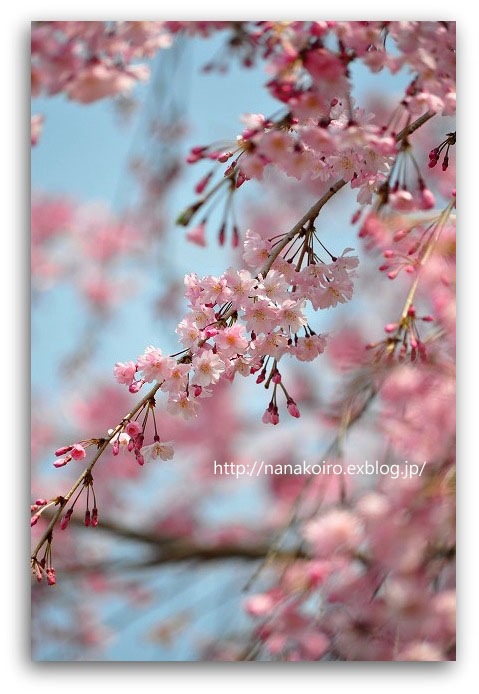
{"x":78,"y":452}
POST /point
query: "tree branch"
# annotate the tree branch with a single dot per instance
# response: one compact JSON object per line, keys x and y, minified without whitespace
{"x":310,"y":215}
{"x":62,"y":501}
{"x":313,"y":212}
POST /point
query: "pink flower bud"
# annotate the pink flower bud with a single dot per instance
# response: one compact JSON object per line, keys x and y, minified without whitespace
{"x":198,"y":149}
{"x":240,"y":180}
{"x":201,"y":185}
{"x":197,"y":234}
{"x":235,"y":239}
{"x":221,"y":235}
{"x":62,"y":461}
{"x":63,"y":450}
{"x":230,"y":169}
{"x":390,"y":327}
{"x":277,"y":377}
{"x":135,"y":386}
{"x":293,"y":409}
{"x":133,"y":429}
{"x":427,"y":199}
{"x":224,"y":156}
{"x":41,"y":502}
{"x":356,"y":216}
{"x":211,"y":332}
{"x":275,"y":416}
{"x":66,"y":519}
{"x":94,"y":517}
{"x":34,"y":520}
{"x":402,"y":200}
{"x":51,"y":579}
{"x":87,"y":518}
{"x":78,"y":452}
{"x":261,"y":377}
{"x":266,"y":418}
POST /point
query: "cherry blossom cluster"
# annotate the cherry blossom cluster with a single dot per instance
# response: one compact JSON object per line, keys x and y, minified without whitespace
{"x":309,"y":62}
{"x":323,"y":143}
{"x":321,"y":135}
{"x":336,"y":145}
{"x":414,"y":240}
{"x":241,"y":324}
{"x":92,"y":60}
{"x":373,"y":573}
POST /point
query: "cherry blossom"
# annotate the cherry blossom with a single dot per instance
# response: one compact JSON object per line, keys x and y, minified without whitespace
{"x":208,"y":368}
{"x":158,"y":449}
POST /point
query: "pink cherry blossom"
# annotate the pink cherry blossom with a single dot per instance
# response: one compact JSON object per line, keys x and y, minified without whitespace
{"x":163,"y":450}
{"x":154,"y":366}
{"x":183,"y":405}
{"x":337,"y":531}
{"x":124,"y":372}
{"x":291,"y":316}
{"x":231,"y":341}
{"x":208,"y":368}
{"x":256,"y":249}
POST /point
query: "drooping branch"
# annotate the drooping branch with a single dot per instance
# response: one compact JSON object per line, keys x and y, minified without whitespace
{"x":63,"y":500}
{"x":312,"y":213}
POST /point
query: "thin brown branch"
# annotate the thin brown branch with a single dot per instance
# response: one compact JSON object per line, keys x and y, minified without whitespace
{"x":314,"y":211}
{"x":64,"y":500}
{"x":410,"y":129}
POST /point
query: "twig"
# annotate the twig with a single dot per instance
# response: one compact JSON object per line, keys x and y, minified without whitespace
{"x":64,"y":500}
